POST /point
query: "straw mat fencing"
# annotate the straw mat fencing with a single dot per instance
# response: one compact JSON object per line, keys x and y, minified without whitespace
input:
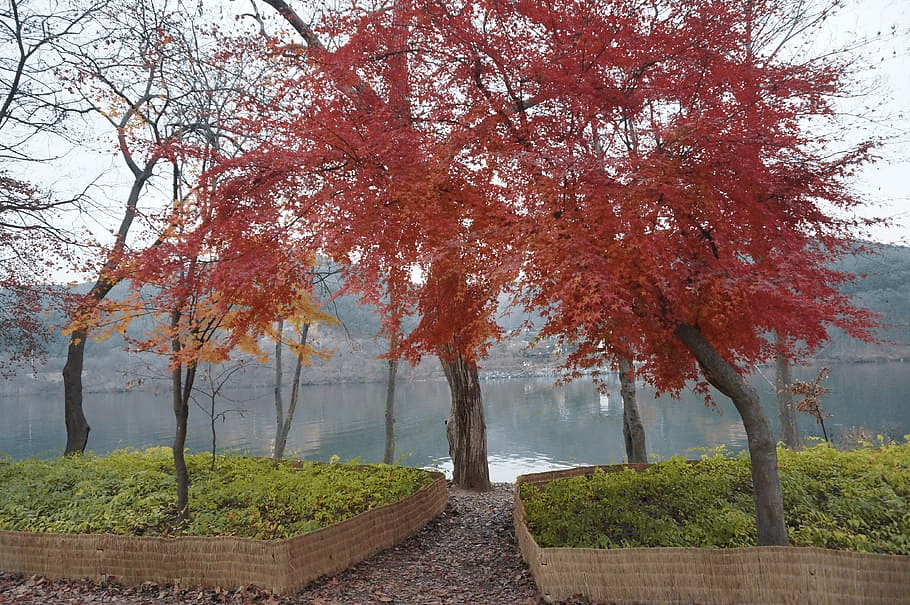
{"x":282,"y":566}
{"x":760,"y":575}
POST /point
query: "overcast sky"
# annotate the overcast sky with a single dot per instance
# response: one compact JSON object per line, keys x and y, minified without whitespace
{"x":886,"y":184}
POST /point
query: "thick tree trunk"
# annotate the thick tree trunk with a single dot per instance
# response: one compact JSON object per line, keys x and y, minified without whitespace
{"x":786,"y":413}
{"x":769,"y":504}
{"x":283,"y":421}
{"x":389,"y":456}
{"x":465,"y":427}
{"x":633,"y":430}
{"x":77,"y":427}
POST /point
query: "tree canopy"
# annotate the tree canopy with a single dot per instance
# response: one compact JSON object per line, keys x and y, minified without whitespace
{"x":639,"y":166}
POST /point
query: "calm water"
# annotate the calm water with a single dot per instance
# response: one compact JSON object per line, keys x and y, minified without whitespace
{"x":531,"y":426}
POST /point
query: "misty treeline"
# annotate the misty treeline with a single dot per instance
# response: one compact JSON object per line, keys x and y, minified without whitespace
{"x":882,"y":285}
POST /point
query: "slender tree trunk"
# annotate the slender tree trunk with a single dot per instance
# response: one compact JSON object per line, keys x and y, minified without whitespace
{"x":465,"y":427}
{"x":181,"y":389}
{"x":633,"y":430}
{"x":279,"y":393}
{"x":389,"y":456}
{"x":789,"y":433}
{"x":212,"y":417}
{"x":283,"y":421}
{"x":769,"y":504}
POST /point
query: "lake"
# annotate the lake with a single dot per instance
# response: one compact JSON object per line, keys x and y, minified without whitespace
{"x":531,"y":425}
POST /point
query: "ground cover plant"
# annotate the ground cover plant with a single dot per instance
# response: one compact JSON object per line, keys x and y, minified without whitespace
{"x":855,"y":500}
{"x":131,"y":493}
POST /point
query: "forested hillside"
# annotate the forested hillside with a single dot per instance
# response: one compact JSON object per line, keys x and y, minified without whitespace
{"x":882,"y":285}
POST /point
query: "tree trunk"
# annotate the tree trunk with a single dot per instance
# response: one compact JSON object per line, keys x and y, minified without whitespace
{"x":633,"y":430}
{"x":278,"y":450}
{"x":77,"y":427}
{"x":465,"y":427}
{"x":789,"y":433}
{"x":769,"y":504}
{"x":389,"y":456}
{"x":181,"y":390}
{"x":283,"y":421}
{"x":212,"y":417}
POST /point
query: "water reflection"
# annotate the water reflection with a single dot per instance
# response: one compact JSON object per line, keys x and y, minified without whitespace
{"x":532,"y":426}
{"x":606,"y":408}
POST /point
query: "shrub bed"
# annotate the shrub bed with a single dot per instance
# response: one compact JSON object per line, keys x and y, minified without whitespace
{"x":109,"y":518}
{"x":132,"y":493}
{"x":842,"y":500}
{"x":856,"y":500}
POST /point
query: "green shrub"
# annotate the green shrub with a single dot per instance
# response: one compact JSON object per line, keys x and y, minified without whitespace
{"x":857,"y":500}
{"x":133,"y":493}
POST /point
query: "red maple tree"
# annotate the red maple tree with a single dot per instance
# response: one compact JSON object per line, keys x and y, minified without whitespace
{"x":213,"y":295}
{"x":388,"y":196}
{"x":679,"y":209}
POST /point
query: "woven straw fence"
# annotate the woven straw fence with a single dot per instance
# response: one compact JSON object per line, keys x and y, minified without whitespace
{"x":282,"y":566}
{"x":763,"y":575}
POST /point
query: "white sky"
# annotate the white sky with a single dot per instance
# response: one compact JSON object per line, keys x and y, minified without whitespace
{"x":885,"y":184}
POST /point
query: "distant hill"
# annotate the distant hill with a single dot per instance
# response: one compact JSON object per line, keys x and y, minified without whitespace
{"x":882,"y":285}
